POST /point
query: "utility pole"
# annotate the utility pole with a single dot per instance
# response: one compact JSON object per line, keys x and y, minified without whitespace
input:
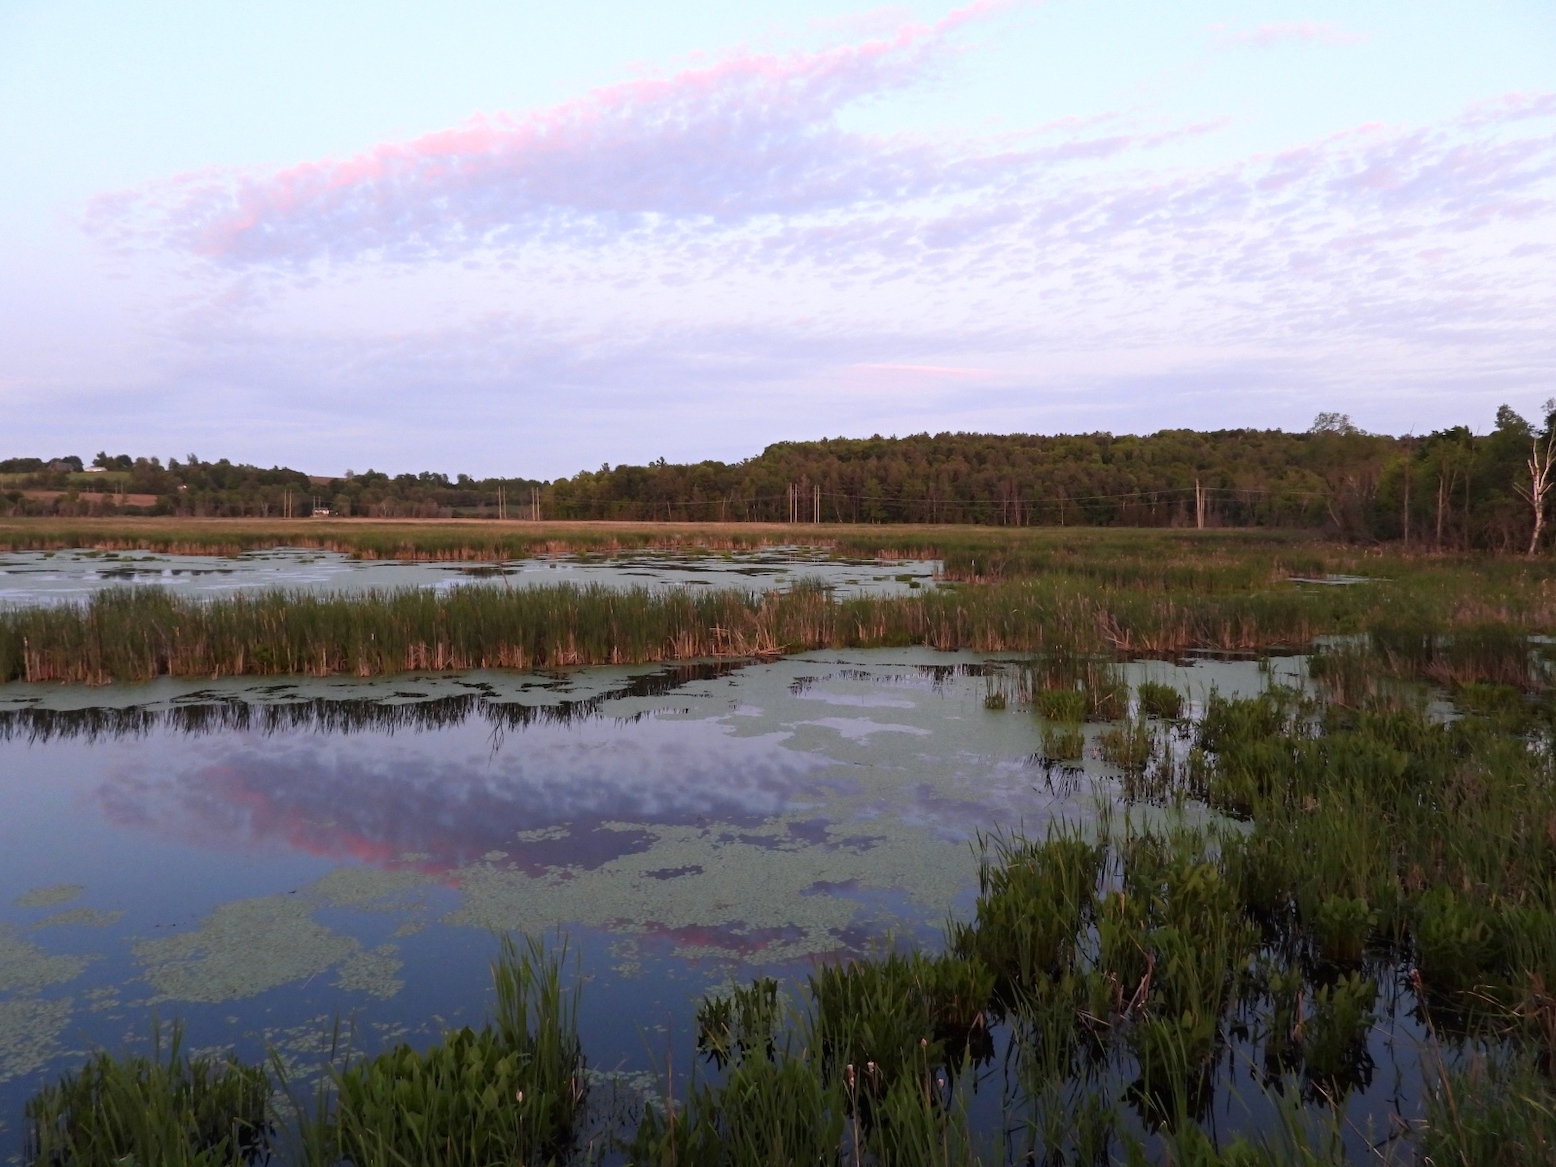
{"x":502,"y":512}
{"x":1407,"y":501}
{"x":534,"y":495}
{"x":817,"y":519}
{"x":1199,"y":506}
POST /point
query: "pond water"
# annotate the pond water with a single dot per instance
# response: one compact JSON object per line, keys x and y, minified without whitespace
{"x":51,"y":577}
{"x":259,"y":859}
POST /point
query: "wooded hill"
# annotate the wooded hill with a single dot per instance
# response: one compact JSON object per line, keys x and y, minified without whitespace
{"x":1449,"y":489}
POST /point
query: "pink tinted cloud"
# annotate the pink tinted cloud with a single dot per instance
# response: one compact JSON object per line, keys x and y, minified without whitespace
{"x":740,"y":170}
{"x":754,"y":134}
{"x":1308,"y":32}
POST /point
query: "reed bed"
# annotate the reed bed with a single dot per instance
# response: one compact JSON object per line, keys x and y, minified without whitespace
{"x":136,"y":634}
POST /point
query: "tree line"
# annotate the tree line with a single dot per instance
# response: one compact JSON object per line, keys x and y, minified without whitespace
{"x":1451,"y":489}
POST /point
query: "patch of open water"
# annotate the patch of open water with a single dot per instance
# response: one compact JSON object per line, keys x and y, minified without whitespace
{"x":261,"y":858}
{"x":52,"y":577}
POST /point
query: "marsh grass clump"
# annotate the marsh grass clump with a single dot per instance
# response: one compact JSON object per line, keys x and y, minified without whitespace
{"x":510,"y":1090}
{"x":865,"y":1074}
{"x":1069,"y":687}
{"x":892,"y":1013}
{"x":1334,"y":1038}
{"x":1067,"y":706}
{"x":745,"y":1021}
{"x":1494,"y":1110}
{"x":1063,"y":742}
{"x":175,"y":1109}
{"x":1466,"y":653}
{"x":1493,"y":652}
{"x":1506,"y":707}
{"x":1033,"y":902}
{"x":1159,"y":700}
{"x":1129,"y":745}
{"x":1340,"y":929}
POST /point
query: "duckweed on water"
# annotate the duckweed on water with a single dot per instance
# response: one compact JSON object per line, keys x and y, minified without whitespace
{"x":24,"y":967}
{"x":49,"y":897}
{"x":80,"y":918}
{"x":30,"y":1032}
{"x":244,"y":948}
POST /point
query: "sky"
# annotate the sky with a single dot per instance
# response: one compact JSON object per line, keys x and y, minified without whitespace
{"x":532,"y":238}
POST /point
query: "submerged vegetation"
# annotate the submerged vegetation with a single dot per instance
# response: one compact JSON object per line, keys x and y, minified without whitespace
{"x":1163,"y":985}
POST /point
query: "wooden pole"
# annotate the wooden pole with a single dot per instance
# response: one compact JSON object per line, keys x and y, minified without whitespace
{"x":1407,"y":502}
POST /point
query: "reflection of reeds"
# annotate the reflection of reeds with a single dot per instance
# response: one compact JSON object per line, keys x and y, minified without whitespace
{"x":339,"y":715}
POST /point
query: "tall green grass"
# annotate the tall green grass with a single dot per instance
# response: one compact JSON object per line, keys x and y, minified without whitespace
{"x":134,"y":634}
{"x":509,"y":1092}
{"x":168,"y":1109}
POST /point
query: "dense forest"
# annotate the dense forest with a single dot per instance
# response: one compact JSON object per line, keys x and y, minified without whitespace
{"x":1450,"y":489}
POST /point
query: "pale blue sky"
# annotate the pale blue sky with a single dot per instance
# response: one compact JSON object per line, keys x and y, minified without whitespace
{"x":528,"y":238}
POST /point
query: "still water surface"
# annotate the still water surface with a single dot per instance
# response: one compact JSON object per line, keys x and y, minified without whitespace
{"x":258,"y":859}
{"x":52,"y":577}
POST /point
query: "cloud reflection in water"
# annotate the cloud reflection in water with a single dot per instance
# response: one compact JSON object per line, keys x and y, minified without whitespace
{"x":450,"y":799}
